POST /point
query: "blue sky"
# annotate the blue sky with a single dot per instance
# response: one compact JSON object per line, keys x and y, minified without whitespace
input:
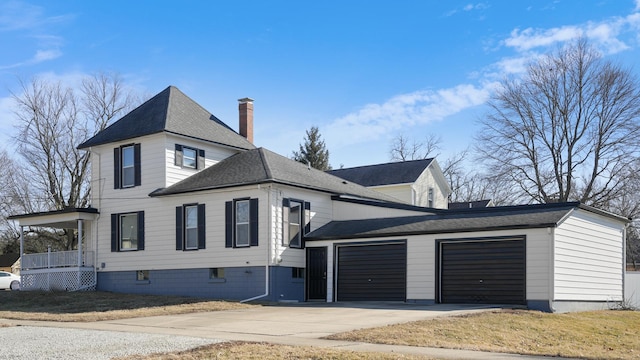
{"x":362,"y":71}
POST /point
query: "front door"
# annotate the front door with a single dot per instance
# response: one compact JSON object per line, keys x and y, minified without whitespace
{"x":316,"y":273}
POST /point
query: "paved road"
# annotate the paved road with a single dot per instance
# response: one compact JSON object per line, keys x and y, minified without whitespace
{"x":299,"y":324}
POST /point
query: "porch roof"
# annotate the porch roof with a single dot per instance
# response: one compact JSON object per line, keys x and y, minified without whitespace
{"x":61,"y":219}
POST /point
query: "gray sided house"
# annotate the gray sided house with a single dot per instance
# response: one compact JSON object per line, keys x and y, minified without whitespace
{"x":184,"y":205}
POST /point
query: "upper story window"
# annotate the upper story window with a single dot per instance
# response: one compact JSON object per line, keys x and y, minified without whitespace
{"x":430,"y":198}
{"x":126,"y":166}
{"x":189,"y":157}
{"x":190,"y":227}
{"x":241,"y":218}
{"x":127,"y":231}
{"x":296,"y":223}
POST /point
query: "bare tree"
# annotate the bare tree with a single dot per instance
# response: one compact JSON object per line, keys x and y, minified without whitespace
{"x":52,"y":120}
{"x":568,"y":130}
{"x":404,"y":148}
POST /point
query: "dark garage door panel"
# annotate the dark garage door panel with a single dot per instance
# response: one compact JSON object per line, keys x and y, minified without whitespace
{"x":489,"y":272}
{"x":372,"y":272}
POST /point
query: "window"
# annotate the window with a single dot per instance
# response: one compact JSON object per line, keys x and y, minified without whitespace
{"x":216,"y":273}
{"x":295,"y":222}
{"x":241,"y":223}
{"x":430,"y":198}
{"x":142,"y":275}
{"x":297,"y":273}
{"x":188,"y":157}
{"x":190,"y":227}
{"x":126,"y":166}
{"x":127,"y":231}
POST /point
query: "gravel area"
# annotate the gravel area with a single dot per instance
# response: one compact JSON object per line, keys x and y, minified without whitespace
{"x":29,"y":342}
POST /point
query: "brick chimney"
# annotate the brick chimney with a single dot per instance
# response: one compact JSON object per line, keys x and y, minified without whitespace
{"x":245,"y":108}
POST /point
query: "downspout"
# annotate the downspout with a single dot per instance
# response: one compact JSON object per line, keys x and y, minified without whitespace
{"x":21,"y":250}
{"x":268,"y":259}
{"x":624,"y":263}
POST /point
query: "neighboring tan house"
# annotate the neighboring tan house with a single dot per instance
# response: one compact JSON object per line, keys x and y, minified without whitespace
{"x":184,"y":205}
{"x":415,"y":182}
{"x":8,"y":262}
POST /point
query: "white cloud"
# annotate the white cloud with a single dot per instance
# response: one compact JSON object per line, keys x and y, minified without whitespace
{"x":38,"y":57}
{"x":605,"y":35}
{"x":527,"y":39}
{"x":637,"y":8}
{"x":44,"y":55}
{"x":468,"y":7}
{"x":373,"y":121}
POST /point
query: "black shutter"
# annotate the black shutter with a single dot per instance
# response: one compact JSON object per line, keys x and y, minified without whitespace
{"x":116,"y":168}
{"x":179,"y":226}
{"x":114,"y":232}
{"x":140,"y":230}
{"x":201,"y":227}
{"x":178,"y":155}
{"x":228,"y":222}
{"x":253,"y":222}
{"x":306,"y":218}
{"x":200,"y":163}
{"x":136,"y":165}
{"x":285,"y":221}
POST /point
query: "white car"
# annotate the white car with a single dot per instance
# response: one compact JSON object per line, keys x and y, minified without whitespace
{"x":9,"y":281}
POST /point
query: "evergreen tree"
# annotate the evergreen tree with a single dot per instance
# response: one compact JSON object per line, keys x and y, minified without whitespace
{"x":313,"y":151}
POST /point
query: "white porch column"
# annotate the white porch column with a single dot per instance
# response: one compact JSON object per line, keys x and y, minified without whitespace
{"x":80,"y":242}
{"x":21,"y":246}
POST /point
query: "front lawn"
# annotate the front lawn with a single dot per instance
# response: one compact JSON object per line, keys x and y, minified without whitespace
{"x":96,"y":306}
{"x":611,"y":334}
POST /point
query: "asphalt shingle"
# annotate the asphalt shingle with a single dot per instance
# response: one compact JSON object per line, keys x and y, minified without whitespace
{"x":263,"y":166}
{"x":384,"y":174}
{"x":174,"y":112}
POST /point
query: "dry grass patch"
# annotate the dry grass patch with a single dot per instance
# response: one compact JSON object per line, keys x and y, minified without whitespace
{"x":262,"y":351}
{"x":96,"y":306}
{"x":588,"y":335}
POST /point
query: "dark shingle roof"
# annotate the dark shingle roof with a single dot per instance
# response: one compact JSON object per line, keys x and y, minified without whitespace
{"x":491,"y":218}
{"x":469,"y":204}
{"x":6,"y":260}
{"x":384,"y":174}
{"x":263,"y":166}
{"x":174,"y":112}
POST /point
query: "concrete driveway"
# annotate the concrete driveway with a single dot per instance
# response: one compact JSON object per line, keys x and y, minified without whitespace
{"x":298,"y":321}
{"x":296,"y":324}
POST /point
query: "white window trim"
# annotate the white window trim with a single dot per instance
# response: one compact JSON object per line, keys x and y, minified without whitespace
{"x":247,"y":223}
{"x":186,"y":228}
{"x":123,"y":166}
{"x":121,"y":233}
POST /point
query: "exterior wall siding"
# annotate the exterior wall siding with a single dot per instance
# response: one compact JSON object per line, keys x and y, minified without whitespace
{"x":212,"y":153}
{"x":588,"y":257}
{"x":421,"y":262}
{"x":160,"y":244}
{"x":350,"y":211}
{"x":401,"y":192}
{"x":421,"y":187}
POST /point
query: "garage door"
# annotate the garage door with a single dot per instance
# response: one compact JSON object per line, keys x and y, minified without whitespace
{"x":486,"y":271}
{"x":372,"y":272}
